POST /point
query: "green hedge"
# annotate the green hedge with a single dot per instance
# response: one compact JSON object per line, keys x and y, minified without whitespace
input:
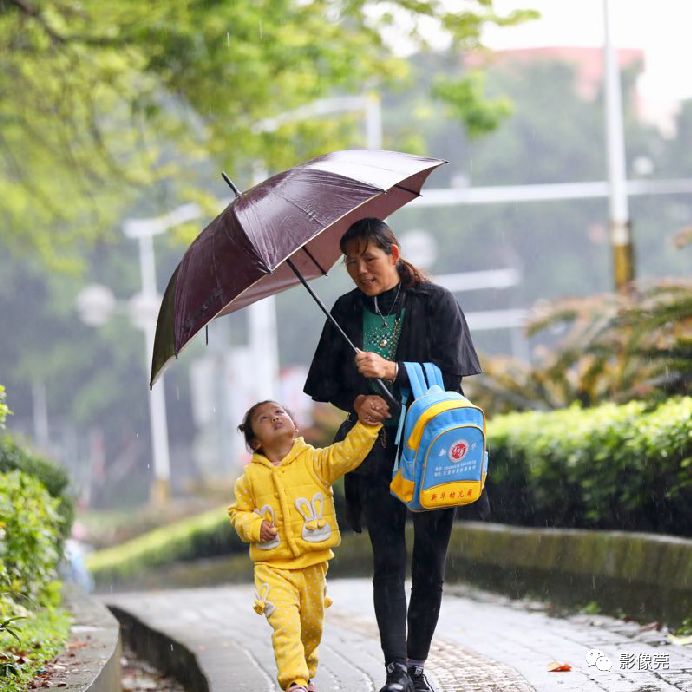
{"x":54,"y":478}
{"x":29,"y":542}
{"x":35,"y":517}
{"x":33,"y":629}
{"x":610,"y":467}
{"x":207,"y":535}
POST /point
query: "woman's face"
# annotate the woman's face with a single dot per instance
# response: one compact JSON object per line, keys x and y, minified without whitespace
{"x":371,"y":268}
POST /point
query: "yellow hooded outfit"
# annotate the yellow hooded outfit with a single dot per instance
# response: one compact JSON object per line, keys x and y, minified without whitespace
{"x":297,"y":498}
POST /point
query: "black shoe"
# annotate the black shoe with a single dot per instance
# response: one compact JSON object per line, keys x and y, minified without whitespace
{"x":420,"y":682}
{"x":397,"y":679}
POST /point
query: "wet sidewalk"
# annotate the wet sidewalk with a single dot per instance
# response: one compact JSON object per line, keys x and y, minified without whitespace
{"x":483,"y":642}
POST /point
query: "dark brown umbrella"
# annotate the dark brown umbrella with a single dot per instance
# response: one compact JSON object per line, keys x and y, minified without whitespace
{"x":280,"y":232}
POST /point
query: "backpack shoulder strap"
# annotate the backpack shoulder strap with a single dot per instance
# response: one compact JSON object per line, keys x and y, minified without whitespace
{"x":416,"y":378}
{"x":434,"y":375}
{"x":402,"y":419}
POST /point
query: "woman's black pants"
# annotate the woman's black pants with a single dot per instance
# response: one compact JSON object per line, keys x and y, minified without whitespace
{"x":385,"y":518}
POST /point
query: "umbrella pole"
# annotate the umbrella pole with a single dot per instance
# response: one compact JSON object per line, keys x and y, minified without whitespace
{"x":393,"y":404}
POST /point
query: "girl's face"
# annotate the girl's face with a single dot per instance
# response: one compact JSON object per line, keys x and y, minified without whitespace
{"x":271,"y":423}
{"x":371,"y":268}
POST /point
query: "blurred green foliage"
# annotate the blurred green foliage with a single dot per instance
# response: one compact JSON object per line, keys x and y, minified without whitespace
{"x":111,"y":97}
{"x":206,"y":535}
{"x":14,"y":457}
{"x":609,"y":467}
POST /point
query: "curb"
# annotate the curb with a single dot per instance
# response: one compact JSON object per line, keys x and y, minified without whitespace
{"x":642,"y":575}
{"x":163,"y":652}
{"x":95,"y":666}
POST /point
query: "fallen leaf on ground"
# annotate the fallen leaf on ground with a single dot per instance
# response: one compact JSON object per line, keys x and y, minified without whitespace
{"x":77,"y":644}
{"x":555,"y":667}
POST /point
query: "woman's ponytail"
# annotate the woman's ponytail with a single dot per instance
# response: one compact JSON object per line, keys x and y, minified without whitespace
{"x":409,"y":274}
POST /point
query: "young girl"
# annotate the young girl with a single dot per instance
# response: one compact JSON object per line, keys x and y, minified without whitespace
{"x":284,"y":508}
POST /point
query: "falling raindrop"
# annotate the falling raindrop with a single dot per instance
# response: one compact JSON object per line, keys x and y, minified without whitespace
{"x":260,"y":30}
{"x":148,"y":466}
{"x":177,"y":392}
{"x":228,"y":38}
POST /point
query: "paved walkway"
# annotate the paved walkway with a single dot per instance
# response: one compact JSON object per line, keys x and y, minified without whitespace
{"x":483,"y":642}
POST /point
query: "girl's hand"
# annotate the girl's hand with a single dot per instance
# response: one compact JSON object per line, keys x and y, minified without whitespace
{"x":371,"y":409}
{"x":373,"y":365}
{"x":267,"y":532}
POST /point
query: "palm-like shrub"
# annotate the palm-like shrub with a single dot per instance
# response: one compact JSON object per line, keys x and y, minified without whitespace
{"x":616,"y":347}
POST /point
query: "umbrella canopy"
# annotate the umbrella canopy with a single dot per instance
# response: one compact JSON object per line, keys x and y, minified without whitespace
{"x":298,"y":215}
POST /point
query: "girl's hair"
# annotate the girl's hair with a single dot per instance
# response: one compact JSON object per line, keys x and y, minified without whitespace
{"x":378,"y":232}
{"x":246,"y":426}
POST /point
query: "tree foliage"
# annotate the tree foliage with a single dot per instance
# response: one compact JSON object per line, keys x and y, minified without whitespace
{"x":111,"y":97}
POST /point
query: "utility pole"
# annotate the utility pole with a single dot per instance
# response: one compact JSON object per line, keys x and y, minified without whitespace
{"x":620,"y":237}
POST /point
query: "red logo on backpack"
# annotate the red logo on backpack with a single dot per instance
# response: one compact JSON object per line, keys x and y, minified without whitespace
{"x":458,"y":450}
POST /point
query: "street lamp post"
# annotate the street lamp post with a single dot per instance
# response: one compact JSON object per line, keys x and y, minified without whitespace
{"x":145,"y":305}
{"x":96,"y":303}
{"x":148,"y":301}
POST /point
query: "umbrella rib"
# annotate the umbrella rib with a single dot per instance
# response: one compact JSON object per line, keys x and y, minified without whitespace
{"x":413,"y":192}
{"x":292,"y":202}
{"x":317,"y":264}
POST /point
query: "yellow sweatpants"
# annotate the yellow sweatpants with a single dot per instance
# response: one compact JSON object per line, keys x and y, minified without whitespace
{"x":293,"y":601}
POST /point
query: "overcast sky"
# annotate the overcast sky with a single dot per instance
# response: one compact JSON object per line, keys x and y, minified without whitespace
{"x":662,"y":28}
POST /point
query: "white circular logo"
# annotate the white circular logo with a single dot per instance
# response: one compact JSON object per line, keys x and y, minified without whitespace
{"x":595,"y":657}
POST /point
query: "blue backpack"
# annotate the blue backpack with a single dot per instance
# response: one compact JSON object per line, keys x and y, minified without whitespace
{"x":442,"y":460}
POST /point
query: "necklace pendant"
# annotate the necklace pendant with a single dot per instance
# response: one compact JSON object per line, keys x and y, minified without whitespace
{"x":383,"y":342}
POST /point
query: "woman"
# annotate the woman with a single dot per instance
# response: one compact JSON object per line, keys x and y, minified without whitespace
{"x":393,"y":315}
